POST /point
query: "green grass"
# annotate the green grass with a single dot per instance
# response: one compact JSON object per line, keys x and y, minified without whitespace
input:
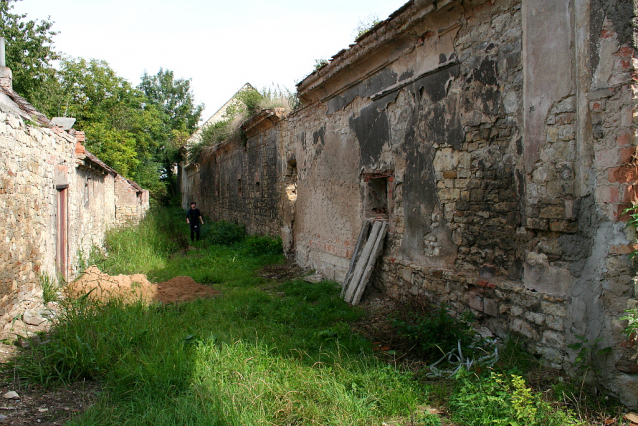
{"x":261,"y":353}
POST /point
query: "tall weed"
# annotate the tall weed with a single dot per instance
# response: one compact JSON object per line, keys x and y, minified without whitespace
{"x":501,"y":399}
{"x":144,"y":247}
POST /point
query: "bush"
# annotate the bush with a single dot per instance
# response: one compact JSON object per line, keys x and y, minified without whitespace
{"x":435,"y":332}
{"x":223,"y":233}
{"x":256,"y":246}
{"x":500,"y":399}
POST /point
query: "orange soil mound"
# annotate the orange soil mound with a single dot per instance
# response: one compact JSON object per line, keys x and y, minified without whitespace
{"x":131,"y":288}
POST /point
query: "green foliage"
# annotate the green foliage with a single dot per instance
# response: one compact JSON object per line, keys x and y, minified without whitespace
{"x":514,"y":357}
{"x":50,"y":288}
{"x":255,"y":245}
{"x":145,"y":247}
{"x":122,"y":129}
{"x":632,"y":212}
{"x":211,"y":135}
{"x":365,"y":25}
{"x":500,"y":399}
{"x":223,"y":233}
{"x":246,"y":103}
{"x":587,"y":351}
{"x":29,"y":53}
{"x":250,"y":100}
{"x":429,"y":420}
{"x":249,"y":357}
{"x":174,"y":98}
{"x":631,"y":316}
{"x":275,"y":354}
{"x":320,"y":63}
{"x":435,"y":332}
{"x":175,"y":102}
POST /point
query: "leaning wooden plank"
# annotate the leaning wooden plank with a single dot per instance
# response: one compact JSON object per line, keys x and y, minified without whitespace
{"x":362,"y":236}
{"x":361,"y":262}
{"x":376,"y":252}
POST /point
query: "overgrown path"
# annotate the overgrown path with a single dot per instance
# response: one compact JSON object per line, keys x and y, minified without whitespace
{"x":272,"y":349}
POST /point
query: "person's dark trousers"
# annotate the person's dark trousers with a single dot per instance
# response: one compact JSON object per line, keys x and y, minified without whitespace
{"x":194,"y":231}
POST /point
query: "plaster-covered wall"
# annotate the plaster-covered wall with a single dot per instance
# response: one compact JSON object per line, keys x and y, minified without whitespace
{"x":498,"y":138}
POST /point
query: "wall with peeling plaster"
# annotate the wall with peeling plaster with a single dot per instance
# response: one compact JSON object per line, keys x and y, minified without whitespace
{"x":503,"y":137}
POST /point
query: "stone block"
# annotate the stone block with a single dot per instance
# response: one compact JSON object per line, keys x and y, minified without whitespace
{"x":554,"y":322}
{"x":535,"y":317}
{"x":475,"y":301}
{"x":553,"y":309}
{"x":522,"y":327}
{"x":490,"y":307}
{"x":553,"y":212}
{"x":554,"y":339}
{"x":566,"y":226}
{"x":535,"y":223}
{"x":542,"y":277}
{"x":516,"y":310}
{"x":554,"y":357}
{"x":406,"y":275}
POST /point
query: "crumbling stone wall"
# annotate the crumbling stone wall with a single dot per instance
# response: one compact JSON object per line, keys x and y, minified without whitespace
{"x":131,"y":201}
{"x":27,"y":204}
{"x":240,"y":184}
{"x":504,"y":190}
{"x":498,"y":139}
{"x":37,"y":164}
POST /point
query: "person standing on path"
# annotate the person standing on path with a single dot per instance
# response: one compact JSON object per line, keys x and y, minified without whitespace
{"x":194,"y":219}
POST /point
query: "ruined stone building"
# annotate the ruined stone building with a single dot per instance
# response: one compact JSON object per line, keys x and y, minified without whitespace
{"x":57,"y":200}
{"x":188,"y":176}
{"x":499,"y":140}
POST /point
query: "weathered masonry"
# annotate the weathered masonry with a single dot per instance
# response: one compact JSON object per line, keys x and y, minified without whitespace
{"x":499,"y":140}
{"x":56,"y":202}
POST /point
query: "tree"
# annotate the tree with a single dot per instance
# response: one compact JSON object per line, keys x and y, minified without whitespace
{"x":179,"y":115}
{"x":29,"y":53}
{"x":122,"y":128}
{"x":173,"y":98}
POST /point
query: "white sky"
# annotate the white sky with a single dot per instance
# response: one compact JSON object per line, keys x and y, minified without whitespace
{"x":219,"y":44}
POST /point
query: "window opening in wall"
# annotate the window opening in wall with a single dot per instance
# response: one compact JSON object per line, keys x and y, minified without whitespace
{"x":291,"y":180}
{"x":377,"y":192}
{"x":240,"y":190}
{"x":87,"y":191}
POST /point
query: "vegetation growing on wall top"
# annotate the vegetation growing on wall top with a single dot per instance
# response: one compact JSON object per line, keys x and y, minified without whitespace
{"x":365,"y":25}
{"x":248,"y":103}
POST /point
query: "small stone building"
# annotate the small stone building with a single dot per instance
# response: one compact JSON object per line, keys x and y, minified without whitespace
{"x":498,"y":138}
{"x":57,"y":200}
